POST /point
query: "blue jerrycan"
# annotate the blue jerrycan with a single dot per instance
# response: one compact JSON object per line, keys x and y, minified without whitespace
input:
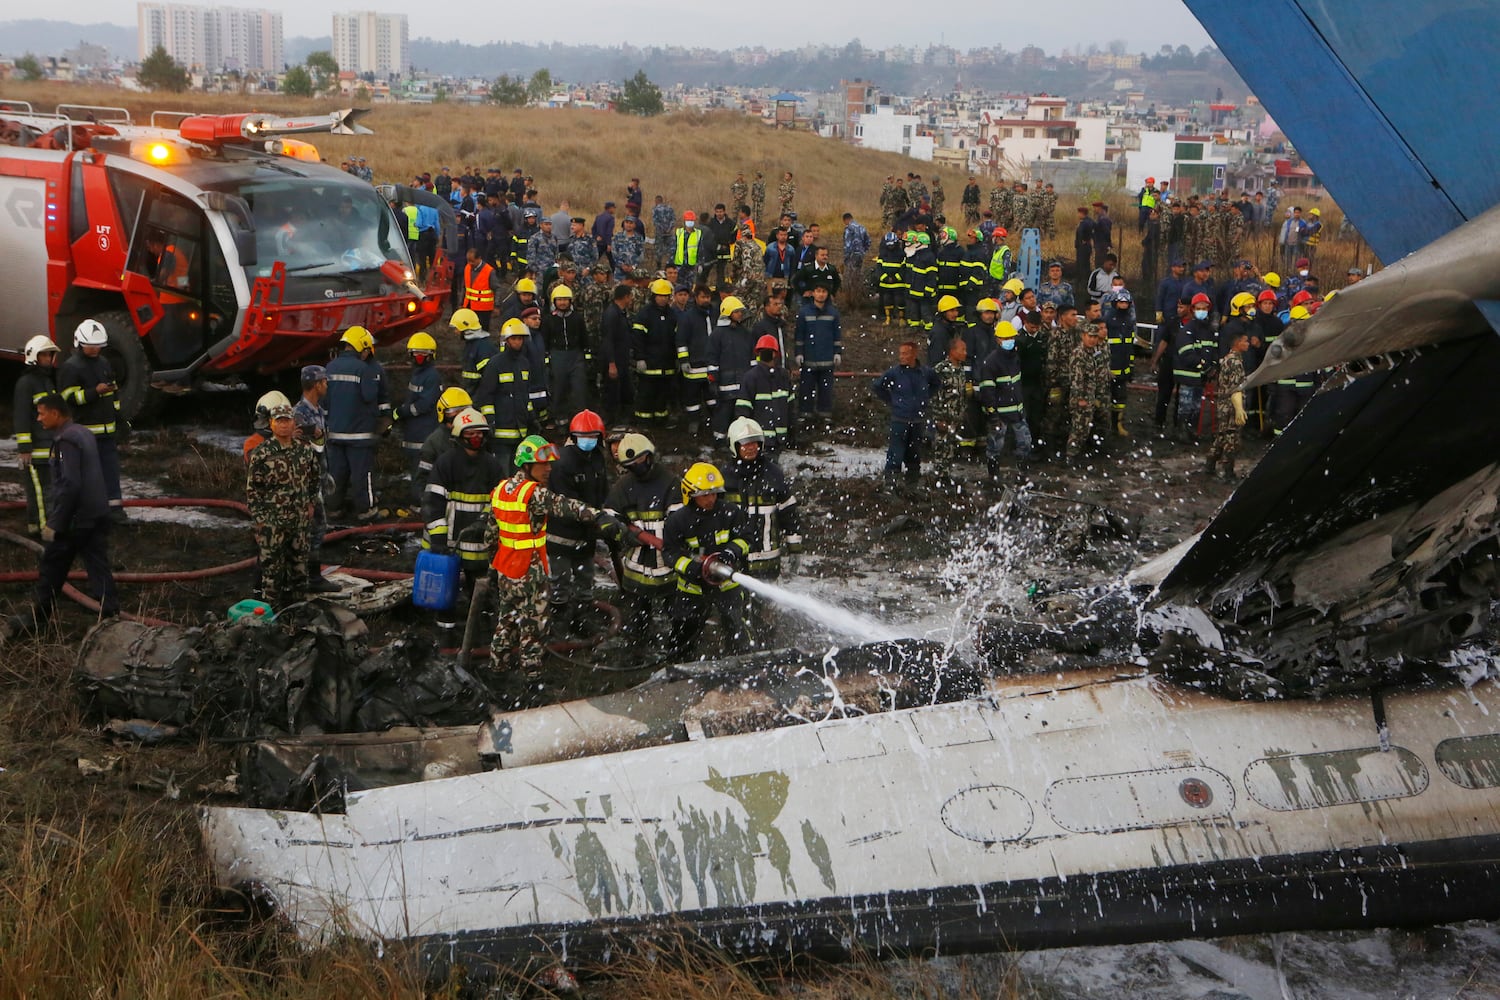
{"x":434,"y":585}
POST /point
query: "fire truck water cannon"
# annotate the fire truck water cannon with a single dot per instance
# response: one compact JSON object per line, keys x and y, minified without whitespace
{"x":218,"y":129}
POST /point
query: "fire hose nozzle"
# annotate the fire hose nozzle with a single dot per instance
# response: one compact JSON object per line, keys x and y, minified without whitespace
{"x":717,"y":570}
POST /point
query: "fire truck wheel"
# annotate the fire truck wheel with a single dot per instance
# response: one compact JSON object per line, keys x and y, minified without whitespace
{"x":128,"y":356}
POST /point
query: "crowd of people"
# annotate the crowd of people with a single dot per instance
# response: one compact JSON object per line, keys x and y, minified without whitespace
{"x":715,"y":333}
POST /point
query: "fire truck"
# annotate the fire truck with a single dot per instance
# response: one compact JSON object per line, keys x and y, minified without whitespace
{"x":211,"y":247}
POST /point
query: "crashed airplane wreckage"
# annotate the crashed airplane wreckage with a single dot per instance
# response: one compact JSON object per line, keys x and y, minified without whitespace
{"x":1165,"y":786}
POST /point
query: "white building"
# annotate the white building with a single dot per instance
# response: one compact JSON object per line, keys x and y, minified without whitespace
{"x":1194,"y":164}
{"x":892,"y":133}
{"x":212,"y":38}
{"x":368,"y":42}
{"x":1009,"y":143}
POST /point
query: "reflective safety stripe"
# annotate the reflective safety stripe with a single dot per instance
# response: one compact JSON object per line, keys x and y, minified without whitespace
{"x":510,"y":433}
{"x":477,"y":292}
{"x":100,"y":429}
{"x":1190,"y":376}
{"x":337,"y":377}
{"x":346,"y":438}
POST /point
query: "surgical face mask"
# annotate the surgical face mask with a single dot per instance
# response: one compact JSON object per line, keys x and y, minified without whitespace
{"x":1200,"y":314}
{"x":588,"y":443}
{"x":688,"y":224}
{"x":1008,"y":344}
{"x":1302,"y":273}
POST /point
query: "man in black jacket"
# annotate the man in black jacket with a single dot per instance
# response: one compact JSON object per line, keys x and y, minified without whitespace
{"x":77,"y":519}
{"x":721,"y":226}
{"x":614,"y":355}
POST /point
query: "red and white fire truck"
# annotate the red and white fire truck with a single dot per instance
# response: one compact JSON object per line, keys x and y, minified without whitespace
{"x":209,"y":246}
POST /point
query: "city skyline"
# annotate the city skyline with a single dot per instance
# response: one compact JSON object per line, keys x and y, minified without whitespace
{"x":877,"y":24}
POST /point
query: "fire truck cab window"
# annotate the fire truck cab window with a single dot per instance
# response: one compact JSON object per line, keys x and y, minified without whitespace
{"x":166,"y":247}
{"x":319,"y":229}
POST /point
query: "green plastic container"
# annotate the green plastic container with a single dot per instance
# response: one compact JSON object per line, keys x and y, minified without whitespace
{"x":259,"y":610}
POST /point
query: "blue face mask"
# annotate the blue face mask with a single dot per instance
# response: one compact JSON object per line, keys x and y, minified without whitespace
{"x":1008,"y":344}
{"x":587,"y":443}
{"x":1200,"y":313}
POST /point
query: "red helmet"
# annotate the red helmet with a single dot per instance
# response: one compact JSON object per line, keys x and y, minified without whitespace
{"x":1266,"y":296}
{"x":1201,"y":299}
{"x":690,"y":216}
{"x":586,"y":422}
{"x":1302,"y":298}
{"x":1000,"y":233}
{"x":768,"y":343}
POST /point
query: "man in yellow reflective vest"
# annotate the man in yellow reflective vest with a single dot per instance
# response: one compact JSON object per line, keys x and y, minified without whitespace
{"x":689,"y":250}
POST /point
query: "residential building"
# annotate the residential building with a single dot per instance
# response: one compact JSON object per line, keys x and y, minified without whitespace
{"x":370,"y":42}
{"x":890,"y":132}
{"x":1009,"y":142}
{"x":212,"y":38}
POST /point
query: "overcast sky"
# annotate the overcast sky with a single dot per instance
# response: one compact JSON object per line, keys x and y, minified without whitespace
{"x":1144,"y":25}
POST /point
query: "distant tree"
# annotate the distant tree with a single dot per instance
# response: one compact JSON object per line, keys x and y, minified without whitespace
{"x":29,"y":66}
{"x":362,"y":94}
{"x":639,"y":96}
{"x":325,"y":71}
{"x":1117,"y":47}
{"x":440,"y":95}
{"x":507,"y":92}
{"x":160,"y":71}
{"x":540,"y":85}
{"x":298,"y":82}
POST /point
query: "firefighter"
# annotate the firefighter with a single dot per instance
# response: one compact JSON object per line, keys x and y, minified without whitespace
{"x":33,"y":441}
{"x":695,"y":326}
{"x":642,"y":498}
{"x":570,"y":355}
{"x":505,"y":391}
{"x":359,"y":412}
{"x":653,"y":348}
{"x":522,"y":506}
{"x":481,"y":286}
{"x":417,"y":415}
{"x":449,"y":405}
{"x":765,"y":396}
{"x":892,"y":278}
{"x":458,"y":495}
{"x":731,"y":351}
{"x":703,"y":537}
{"x":580,"y":474}
{"x":87,"y":381}
{"x":478,"y":347}
{"x":756,"y":483}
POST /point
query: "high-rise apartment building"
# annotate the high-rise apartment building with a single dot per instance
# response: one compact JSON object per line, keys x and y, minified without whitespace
{"x":368,"y":42}
{"x":212,"y":38}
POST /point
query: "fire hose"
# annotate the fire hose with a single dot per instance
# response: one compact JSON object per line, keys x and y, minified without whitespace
{"x":73,"y":593}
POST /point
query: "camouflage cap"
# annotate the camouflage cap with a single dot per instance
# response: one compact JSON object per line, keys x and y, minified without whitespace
{"x":313,"y":374}
{"x":280,"y":413}
{"x":600,"y":267}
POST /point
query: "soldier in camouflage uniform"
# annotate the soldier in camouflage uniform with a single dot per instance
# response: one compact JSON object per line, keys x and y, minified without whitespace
{"x":1046,"y":211}
{"x":900,"y":202}
{"x":541,"y":249}
{"x":939,"y":196}
{"x":521,"y":506}
{"x":739,"y":192}
{"x":628,"y":249}
{"x":280,"y":490}
{"x":757,"y":198}
{"x":1234,"y":232}
{"x":886,"y":191}
{"x":1088,"y":393}
{"x":747,"y":271}
{"x":1230,"y":401}
{"x":1192,"y":233}
{"x":593,"y":297}
{"x":1061,"y":344}
{"x":970,"y":203}
{"x":787,"y":192}
{"x":1020,"y":207}
{"x":950,"y":406}
{"x":916,"y":191}
{"x":663,"y":221}
{"x":1001,"y":206}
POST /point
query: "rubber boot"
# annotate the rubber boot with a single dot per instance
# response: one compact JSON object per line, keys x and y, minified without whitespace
{"x":317,"y":583}
{"x":1120,"y":430}
{"x":1228,"y":474}
{"x":1208,"y":465}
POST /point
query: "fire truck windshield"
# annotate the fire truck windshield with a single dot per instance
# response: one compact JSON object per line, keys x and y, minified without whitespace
{"x":321,"y":229}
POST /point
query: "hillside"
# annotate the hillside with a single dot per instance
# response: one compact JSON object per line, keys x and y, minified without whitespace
{"x":584,"y":157}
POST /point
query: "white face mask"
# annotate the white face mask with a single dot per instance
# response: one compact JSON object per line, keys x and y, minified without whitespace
{"x":1200,"y":314}
{"x":1302,"y":274}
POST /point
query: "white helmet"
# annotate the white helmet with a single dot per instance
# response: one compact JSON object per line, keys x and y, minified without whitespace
{"x":90,"y":333}
{"x":469,"y":419}
{"x":36,"y":347}
{"x":265,"y":404}
{"x":742,"y":430}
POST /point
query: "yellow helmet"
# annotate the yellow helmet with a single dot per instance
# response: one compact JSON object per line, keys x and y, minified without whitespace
{"x":700,"y":479}
{"x":947,"y":302}
{"x":525,"y":285}
{"x":1330,"y":295}
{"x":358,"y":338}
{"x":469,"y":419}
{"x":1300,"y":312}
{"x":987,"y":305}
{"x":515,"y":328}
{"x":464,"y":320}
{"x":450,"y":400}
{"x":661,"y":286}
{"x":1005,"y":330}
{"x":1272,"y":279}
{"x":1317,"y":212}
{"x":730,"y":306}
{"x":561,"y":292}
{"x":1015,"y":286}
{"x":421,"y":342}
{"x":1242,"y":301}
